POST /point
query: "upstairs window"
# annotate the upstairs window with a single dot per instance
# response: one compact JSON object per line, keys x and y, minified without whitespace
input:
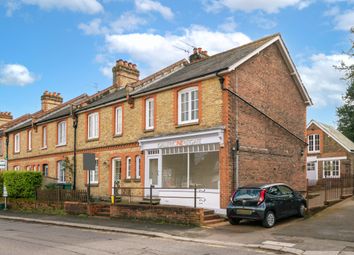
{"x":62,"y":133}
{"x":29,"y":142}
{"x":1,"y":150}
{"x":17,"y":143}
{"x":314,"y":143}
{"x":92,"y":126}
{"x":44,"y":137}
{"x":119,"y":121}
{"x":149,"y":114}
{"x":188,"y":106}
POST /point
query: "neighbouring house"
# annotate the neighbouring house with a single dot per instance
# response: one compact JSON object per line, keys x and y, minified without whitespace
{"x":330,"y":153}
{"x":212,"y":122}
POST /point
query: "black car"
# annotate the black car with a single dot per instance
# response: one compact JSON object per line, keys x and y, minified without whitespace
{"x":265,"y":202}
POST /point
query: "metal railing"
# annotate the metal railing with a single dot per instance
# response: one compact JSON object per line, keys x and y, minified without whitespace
{"x":329,"y":189}
{"x":151,"y":194}
{"x":61,"y":195}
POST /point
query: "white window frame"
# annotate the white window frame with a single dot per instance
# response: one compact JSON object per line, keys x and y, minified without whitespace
{"x":312,"y":143}
{"x":137,"y":167}
{"x":16,"y":168}
{"x":61,"y":171}
{"x":119,"y":120}
{"x":17,"y":143}
{"x":1,"y":150}
{"x":149,"y":113}
{"x":44,"y":137}
{"x":188,"y":92}
{"x":93,"y":125}
{"x":128,"y":167}
{"x":62,"y":133}
{"x":29,"y":141}
{"x":331,"y":169}
{"x":94,"y":174}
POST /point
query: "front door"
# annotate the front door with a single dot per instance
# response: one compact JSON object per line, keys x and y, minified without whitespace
{"x":153,"y":174}
{"x":116,"y":172}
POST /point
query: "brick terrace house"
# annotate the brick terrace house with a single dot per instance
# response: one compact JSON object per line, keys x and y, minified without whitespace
{"x":217,"y":122}
{"x":330,"y":153}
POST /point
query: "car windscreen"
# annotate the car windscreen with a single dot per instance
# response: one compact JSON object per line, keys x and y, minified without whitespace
{"x":247,"y":194}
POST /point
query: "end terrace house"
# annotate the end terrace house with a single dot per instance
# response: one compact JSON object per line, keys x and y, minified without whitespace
{"x":212,"y":122}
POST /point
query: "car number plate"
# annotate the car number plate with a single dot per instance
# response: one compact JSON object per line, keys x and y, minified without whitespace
{"x":244,"y":211}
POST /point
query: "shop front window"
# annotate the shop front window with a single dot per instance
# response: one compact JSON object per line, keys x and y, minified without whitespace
{"x":190,"y":166}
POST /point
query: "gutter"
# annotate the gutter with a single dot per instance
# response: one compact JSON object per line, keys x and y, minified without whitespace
{"x":7,"y":151}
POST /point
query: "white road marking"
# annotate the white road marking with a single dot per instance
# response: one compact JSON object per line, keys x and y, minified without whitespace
{"x":278,"y":243}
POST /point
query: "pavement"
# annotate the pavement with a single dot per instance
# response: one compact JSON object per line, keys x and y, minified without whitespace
{"x":330,"y":231}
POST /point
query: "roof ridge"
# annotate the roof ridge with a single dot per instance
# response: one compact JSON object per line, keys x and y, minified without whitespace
{"x":266,"y":38}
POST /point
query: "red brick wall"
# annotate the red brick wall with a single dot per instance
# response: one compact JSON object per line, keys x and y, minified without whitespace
{"x":267,"y":152}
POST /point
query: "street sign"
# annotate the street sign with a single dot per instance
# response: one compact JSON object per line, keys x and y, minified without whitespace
{"x":89,"y":161}
{"x":3,"y":164}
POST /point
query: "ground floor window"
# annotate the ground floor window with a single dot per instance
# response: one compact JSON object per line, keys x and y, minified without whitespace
{"x":331,"y":168}
{"x":187,"y":166}
{"x":94,"y":174}
{"x":61,"y":171}
{"x":45,"y":170}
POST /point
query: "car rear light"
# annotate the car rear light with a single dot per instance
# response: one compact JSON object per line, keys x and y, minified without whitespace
{"x":261,"y":196}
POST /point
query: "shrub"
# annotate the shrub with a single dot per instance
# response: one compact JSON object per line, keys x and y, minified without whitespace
{"x":20,"y":184}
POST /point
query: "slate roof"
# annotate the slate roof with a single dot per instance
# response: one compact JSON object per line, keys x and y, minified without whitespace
{"x":335,"y":134}
{"x":21,"y":125}
{"x":210,"y":65}
{"x":104,"y":99}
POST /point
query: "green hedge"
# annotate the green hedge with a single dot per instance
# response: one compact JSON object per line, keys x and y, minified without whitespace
{"x":21,"y":184}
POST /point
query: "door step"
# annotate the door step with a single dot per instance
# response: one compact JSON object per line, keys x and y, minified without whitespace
{"x":210,"y":218}
{"x":154,"y":201}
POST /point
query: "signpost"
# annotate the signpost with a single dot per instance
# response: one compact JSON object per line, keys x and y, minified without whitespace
{"x":4,"y":194}
{"x":89,"y":163}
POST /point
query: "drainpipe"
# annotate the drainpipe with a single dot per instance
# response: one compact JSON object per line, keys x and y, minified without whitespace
{"x":7,"y":152}
{"x":235,"y":149}
{"x":75,"y":122}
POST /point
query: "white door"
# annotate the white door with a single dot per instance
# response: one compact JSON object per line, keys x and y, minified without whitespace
{"x":116,"y":172}
{"x":153,"y":175}
{"x":312,"y":172}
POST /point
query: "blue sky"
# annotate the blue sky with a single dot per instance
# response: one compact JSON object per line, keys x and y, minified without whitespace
{"x":70,"y":46}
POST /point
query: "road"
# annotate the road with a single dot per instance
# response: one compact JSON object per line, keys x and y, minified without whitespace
{"x":19,"y":238}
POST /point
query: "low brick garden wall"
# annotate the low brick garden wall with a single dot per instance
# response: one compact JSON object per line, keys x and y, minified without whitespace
{"x":21,"y":204}
{"x":168,"y":214}
{"x":75,"y":208}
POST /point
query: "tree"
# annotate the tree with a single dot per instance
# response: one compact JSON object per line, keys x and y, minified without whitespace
{"x":345,"y":112}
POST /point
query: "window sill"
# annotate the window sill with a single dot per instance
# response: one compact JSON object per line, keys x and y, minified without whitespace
{"x":187,"y":124}
{"x":313,"y":152}
{"x":92,"y":184}
{"x":128,"y":180}
{"x":137,"y":180}
{"x":92,"y":139}
{"x":60,"y":145}
{"x":18,"y":152}
{"x":29,"y":150}
{"x":117,"y":135}
{"x":44,"y":148}
{"x":149,"y":130}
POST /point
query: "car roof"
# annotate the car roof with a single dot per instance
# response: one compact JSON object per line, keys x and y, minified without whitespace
{"x":261,"y":185}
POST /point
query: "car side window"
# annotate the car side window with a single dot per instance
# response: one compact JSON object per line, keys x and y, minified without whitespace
{"x":274,"y":191}
{"x":285,"y":190}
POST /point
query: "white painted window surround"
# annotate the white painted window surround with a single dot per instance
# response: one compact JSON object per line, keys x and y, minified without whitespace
{"x":119,"y":121}
{"x":188,"y":106}
{"x":62,"y":133}
{"x":17,"y":143}
{"x":93,"y":124}
{"x":314,"y":143}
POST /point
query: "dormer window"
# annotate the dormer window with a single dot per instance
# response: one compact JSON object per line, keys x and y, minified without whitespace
{"x":314,"y":143}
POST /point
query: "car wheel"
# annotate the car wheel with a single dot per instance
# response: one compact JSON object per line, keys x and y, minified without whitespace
{"x":269,"y":219}
{"x":301,"y":211}
{"x":234,"y":221}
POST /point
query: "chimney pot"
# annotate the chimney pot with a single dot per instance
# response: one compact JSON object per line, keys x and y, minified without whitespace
{"x":124,"y":73}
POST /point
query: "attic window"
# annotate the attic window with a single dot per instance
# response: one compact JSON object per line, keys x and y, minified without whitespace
{"x":314,"y":143}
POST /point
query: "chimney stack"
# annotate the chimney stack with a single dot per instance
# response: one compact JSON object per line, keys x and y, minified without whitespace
{"x":124,"y":73}
{"x":50,"y":100}
{"x":5,"y":117}
{"x":198,"y":55}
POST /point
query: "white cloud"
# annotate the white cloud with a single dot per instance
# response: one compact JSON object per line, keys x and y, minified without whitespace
{"x":323,"y":81}
{"x":229,"y":25}
{"x":149,"y":6}
{"x":156,"y":51}
{"x":249,"y":6}
{"x":14,"y":74}
{"x":261,"y":21}
{"x":126,"y":22}
{"x":84,"y":6}
{"x":344,"y":21}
